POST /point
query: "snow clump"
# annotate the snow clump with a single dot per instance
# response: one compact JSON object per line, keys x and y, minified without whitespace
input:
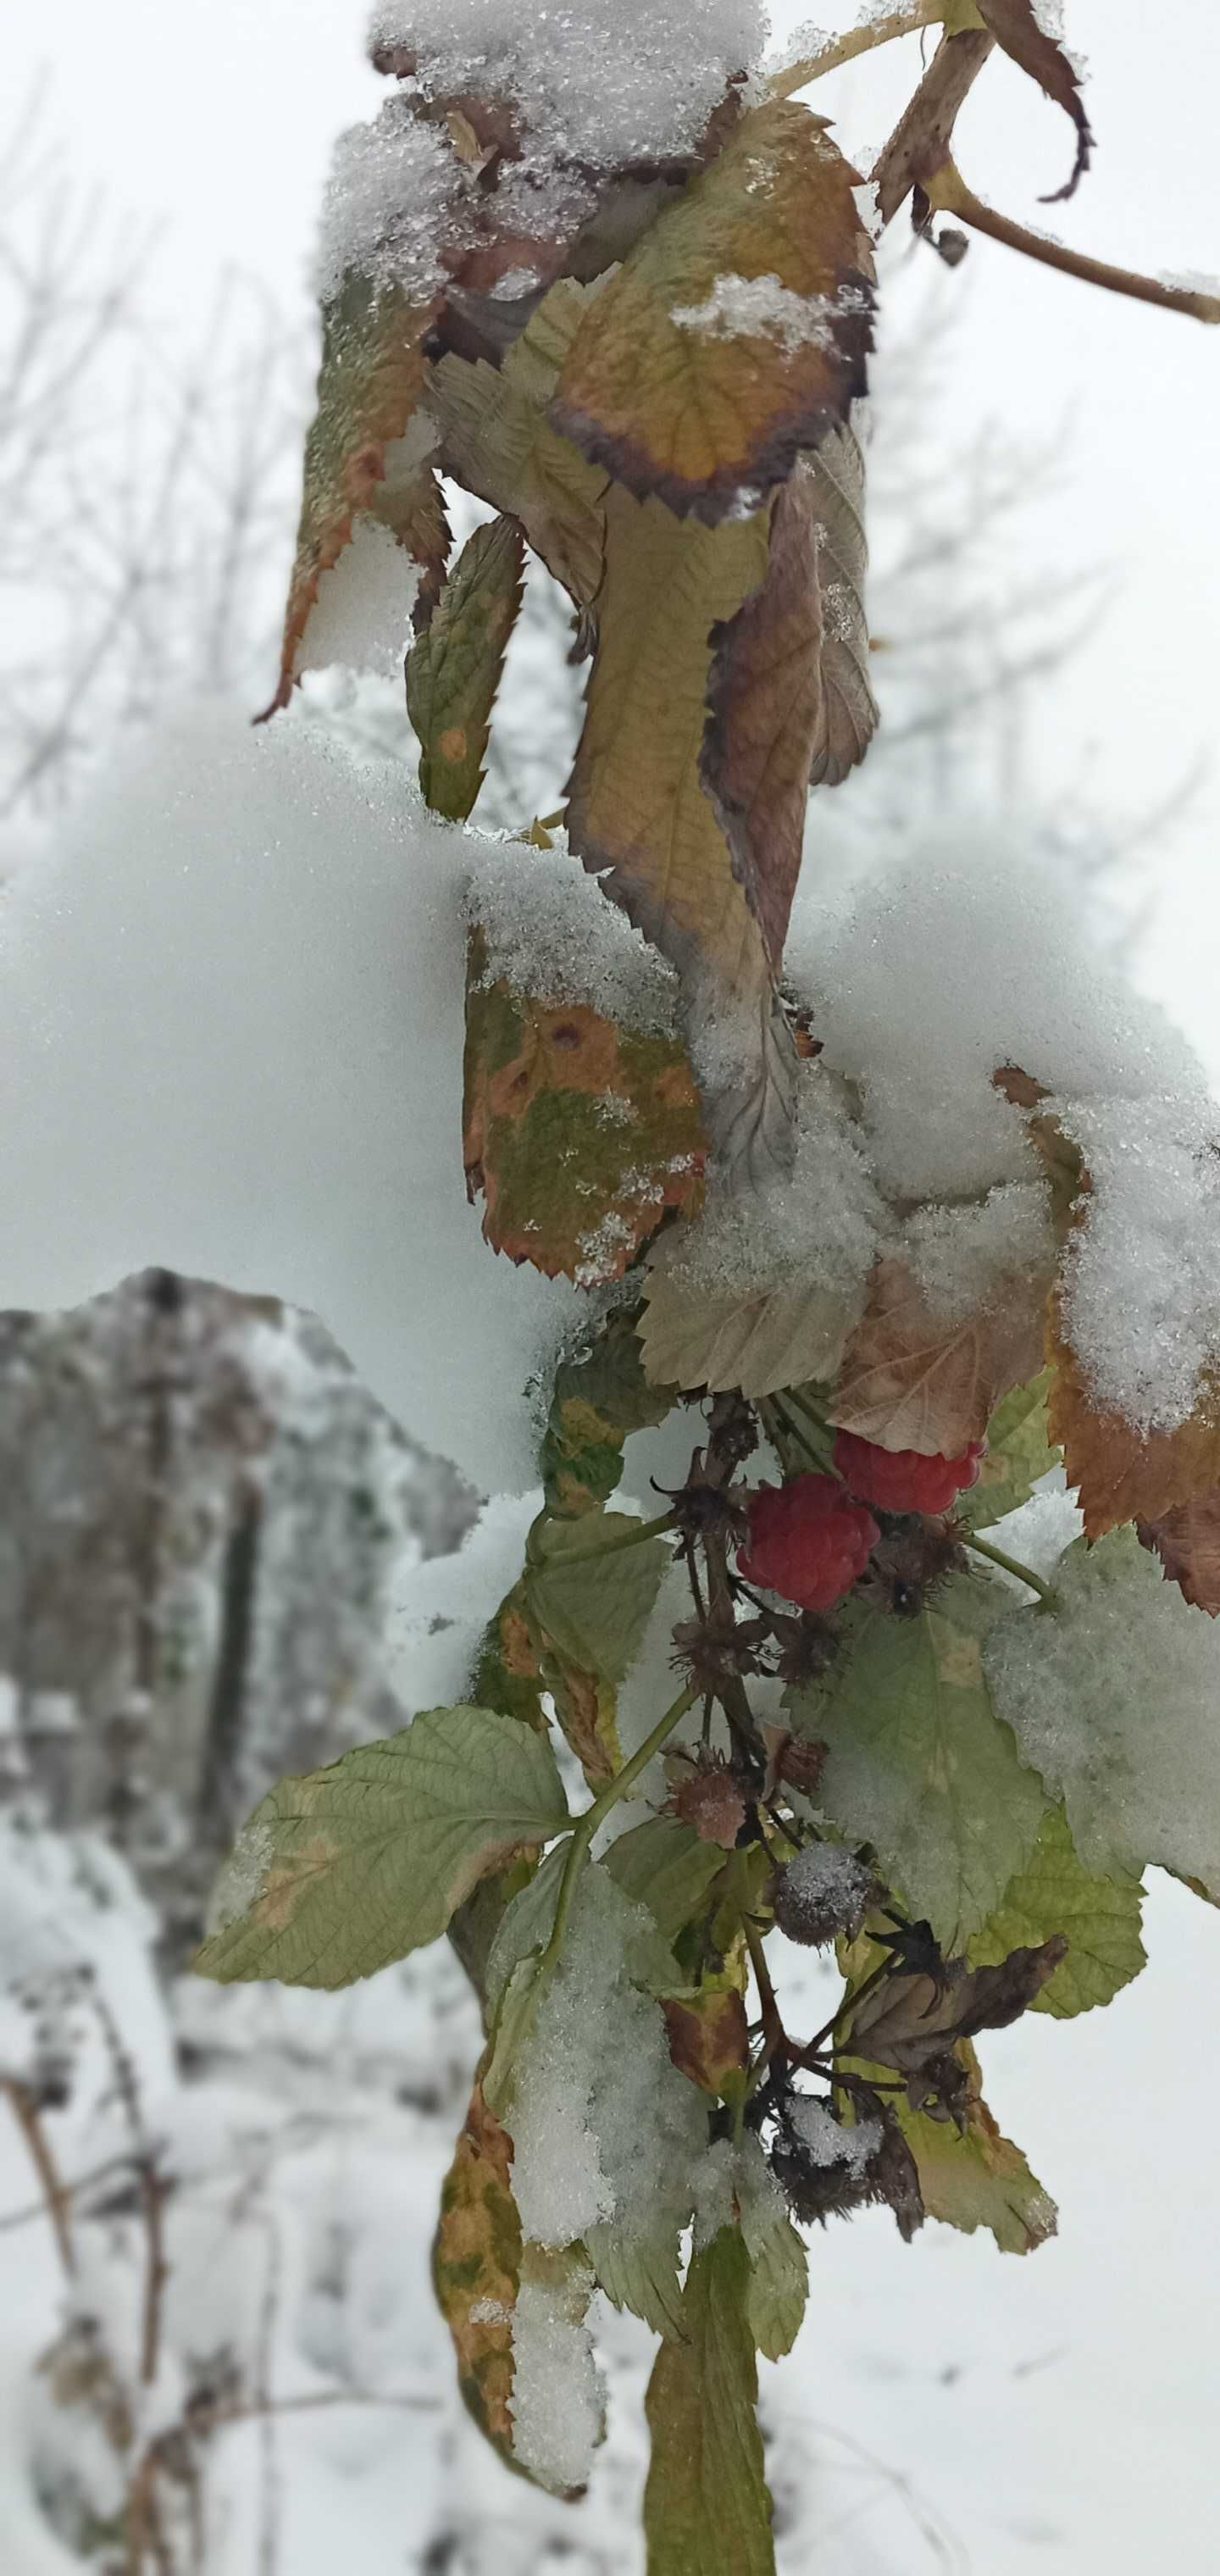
{"x":556,"y":2401}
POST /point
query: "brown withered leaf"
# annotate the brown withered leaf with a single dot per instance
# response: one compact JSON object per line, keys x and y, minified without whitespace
{"x":495,"y":437}
{"x":476,"y":2265}
{"x":973,"y":2176}
{"x":1016,"y":26}
{"x":369,"y":390}
{"x":735,"y":332}
{"x":694,"y":1336}
{"x":579,"y":1134}
{"x":909,"y":2022}
{"x":1187,"y":1541}
{"x":1062,"y":1160}
{"x":708,"y":2035}
{"x":1124,"y":1474}
{"x":912,"y":1380}
{"x":788,"y":691}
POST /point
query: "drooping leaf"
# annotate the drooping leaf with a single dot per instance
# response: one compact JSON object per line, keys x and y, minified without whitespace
{"x":978,"y":2179}
{"x":588,"y":1618}
{"x":1187,"y":1541}
{"x":1100,"y":1915}
{"x":496,"y":439}
{"x":708,"y":2035}
{"x":779,"y":2265}
{"x":913,"y":1380}
{"x":600,"y":1396}
{"x":525,"y":1926}
{"x":663,"y":1864}
{"x":454,"y":667}
{"x":735,"y":333}
{"x":918,"y":1762}
{"x":476,"y":2264}
{"x":640,"y":2274}
{"x":1124,"y":1474}
{"x":776,"y":722}
{"x":707,"y":2511}
{"x":910,"y":2023}
{"x":849,"y":709}
{"x":580,"y":1134}
{"x":696,"y":1336}
{"x":1018,"y":1455}
{"x":1021,"y":28}
{"x":369,"y":390}
{"x":508,"y":1674}
{"x":343,"y":1870}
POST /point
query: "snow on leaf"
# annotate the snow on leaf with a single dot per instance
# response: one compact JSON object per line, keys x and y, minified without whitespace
{"x":1019,"y":26}
{"x":1099,"y":1914}
{"x":580,"y":1134}
{"x":362,"y":1862}
{"x":914,"y":1379}
{"x":557,"y":2401}
{"x":369,"y":390}
{"x":1018,"y":1454}
{"x":454,"y":667}
{"x":1187,"y":1541}
{"x":476,"y":2265}
{"x":683,"y":391}
{"x":496,"y":439}
{"x":1124,"y":1474}
{"x":600,"y":1395}
{"x":918,"y":1762}
{"x":706,"y":2504}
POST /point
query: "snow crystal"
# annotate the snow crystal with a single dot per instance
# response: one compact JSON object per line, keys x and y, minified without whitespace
{"x":598,"y":86}
{"x":825,"y":2141}
{"x":390,"y":197}
{"x":231,"y":1027}
{"x":1142,"y":1301}
{"x":551,"y":933}
{"x":959,"y":1253}
{"x":556,"y":2401}
{"x":1113,"y":1697}
{"x":763,"y":308}
{"x":603,"y":2125}
{"x":823,"y":1227}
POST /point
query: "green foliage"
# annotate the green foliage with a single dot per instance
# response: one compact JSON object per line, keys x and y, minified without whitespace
{"x":1019,"y":1453}
{"x":454,"y":667}
{"x":918,"y":1761}
{"x":343,"y":1870}
{"x":663,"y":1864}
{"x":588,"y":1613}
{"x":706,"y":2507}
{"x":600,"y":1396}
{"x":1054,"y":1892}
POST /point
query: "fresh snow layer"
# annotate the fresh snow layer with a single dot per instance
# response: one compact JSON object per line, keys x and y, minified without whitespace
{"x":552,"y":933}
{"x":592,"y":84}
{"x":393,"y":196}
{"x":231,"y":1017}
{"x":763,"y":308}
{"x":556,"y":2401}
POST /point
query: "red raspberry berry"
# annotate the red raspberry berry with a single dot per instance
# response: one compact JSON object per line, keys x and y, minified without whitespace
{"x":899,"y":1480}
{"x":808,"y":1541}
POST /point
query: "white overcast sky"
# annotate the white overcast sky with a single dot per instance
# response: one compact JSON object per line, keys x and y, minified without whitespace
{"x":221,"y":120}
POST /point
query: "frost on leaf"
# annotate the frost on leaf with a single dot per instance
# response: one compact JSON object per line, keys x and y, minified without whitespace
{"x":369,"y":1859}
{"x":1020,"y":27}
{"x":369,"y":390}
{"x":918,"y":1761}
{"x":476,"y":2266}
{"x":706,"y":2504}
{"x":1099,"y":1914}
{"x":915,"y":1378}
{"x":579,"y":1134}
{"x":685,"y":381}
{"x":454,"y":668}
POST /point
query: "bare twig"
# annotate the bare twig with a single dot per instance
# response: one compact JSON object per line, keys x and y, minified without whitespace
{"x":55,"y":2198}
{"x":947,"y":193}
{"x":857,"y":40}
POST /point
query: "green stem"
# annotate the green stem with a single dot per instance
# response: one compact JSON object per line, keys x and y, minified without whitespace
{"x":1013,"y":1565}
{"x":587,"y":1825}
{"x":858,"y":40}
{"x":633,"y":1537}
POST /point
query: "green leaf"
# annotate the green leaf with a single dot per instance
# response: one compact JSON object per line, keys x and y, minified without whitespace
{"x":779,"y":2264}
{"x":594,"y":1610}
{"x":707,"y":2511}
{"x":642,"y":2275}
{"x":579,"y":1134}
{"x":343,"y":1870}
{"x":454,"y":668}
{"x":918,"y":1762}
{"x":1019,"y":1453}
{"x":600,"y":1396}
{"x":664,"y":1865}
{"x":698,"y":395}
{"x":498,"y":442}
{"x":526,"y":1926}
{"x":1100,"y":1916}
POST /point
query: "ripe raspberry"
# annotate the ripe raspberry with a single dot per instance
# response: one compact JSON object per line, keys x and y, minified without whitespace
{"x":808,"y":1541}
{"x":899,"y":1480}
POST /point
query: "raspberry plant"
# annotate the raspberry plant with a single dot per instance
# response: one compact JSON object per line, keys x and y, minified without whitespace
{"x":646,"y":368}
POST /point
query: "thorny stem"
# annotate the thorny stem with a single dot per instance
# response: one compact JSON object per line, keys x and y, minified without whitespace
{"x":848,"y":2004}
{"x":947,"y":193}
{"x":774,"y":2034}
{"x":608,"y":1546}
{"x":587,"y":1825}
{"x":1013,"y":1565}
{"x":858,"y":40}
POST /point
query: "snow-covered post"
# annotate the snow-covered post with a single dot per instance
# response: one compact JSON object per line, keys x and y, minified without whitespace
{"x":877,"y":1227}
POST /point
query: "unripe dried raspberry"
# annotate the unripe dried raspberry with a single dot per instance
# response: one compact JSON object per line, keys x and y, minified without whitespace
{"x":808,"y":1541}
{"x":899,"y":1480}
{"x":822,"y":1895}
